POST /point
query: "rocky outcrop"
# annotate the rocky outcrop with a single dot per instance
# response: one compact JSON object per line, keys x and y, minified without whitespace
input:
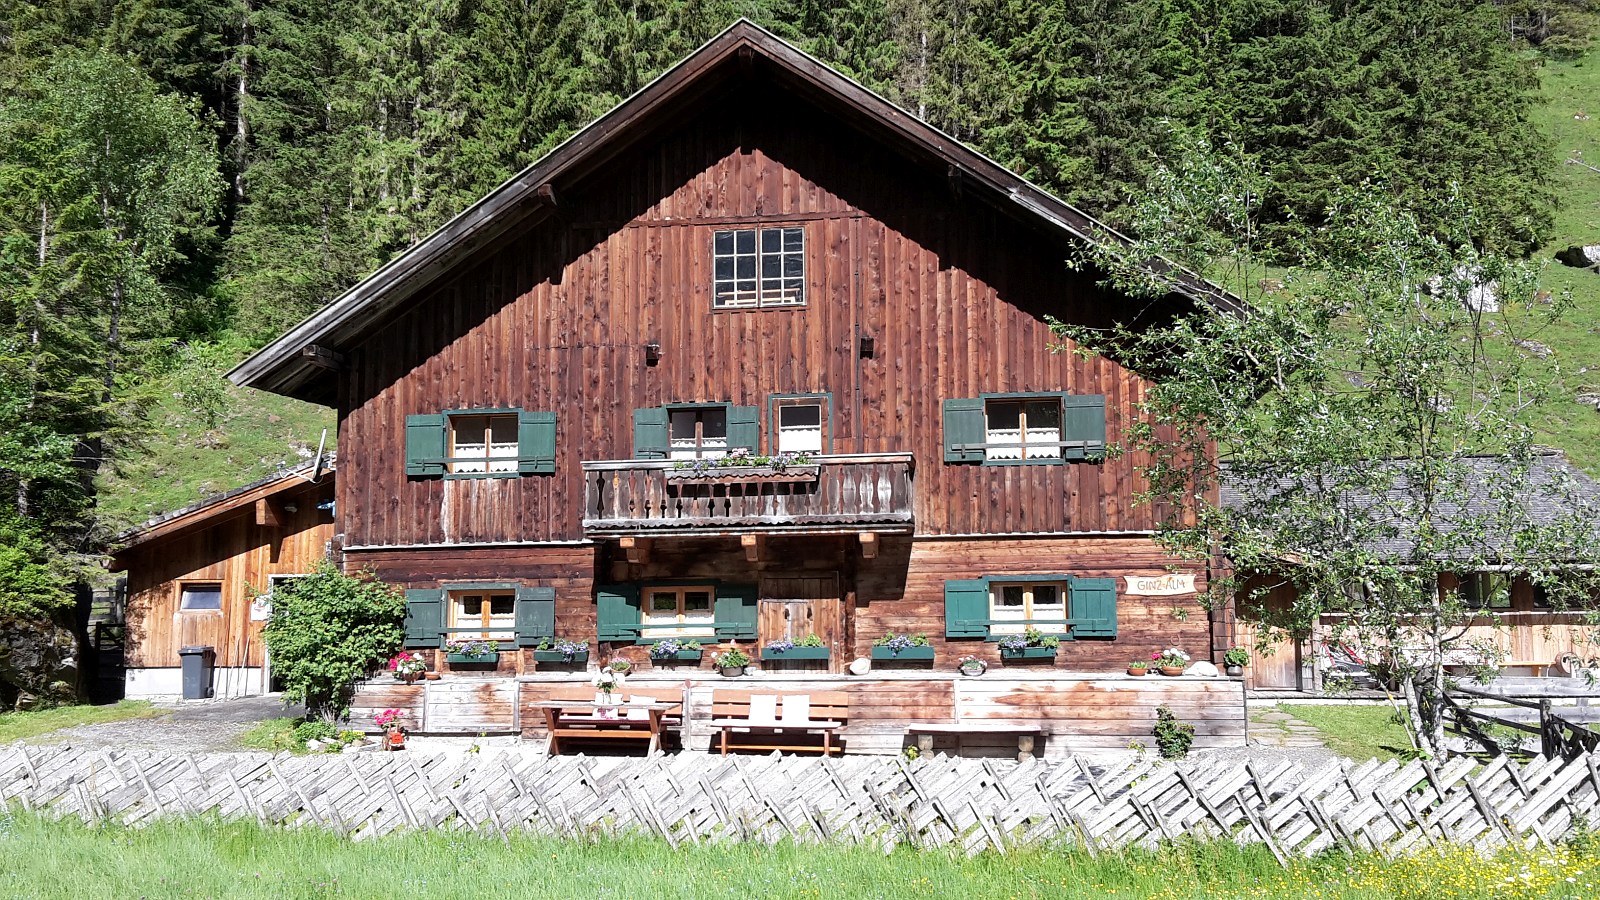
{"x":40,"y":663}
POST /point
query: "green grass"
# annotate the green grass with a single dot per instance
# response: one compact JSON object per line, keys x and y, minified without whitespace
{"x":1359,"y":732}
{"x":16,"y":726}
{"x":273,"y":735}
{"x":207,"y":858}
{"x":1571,"y":116}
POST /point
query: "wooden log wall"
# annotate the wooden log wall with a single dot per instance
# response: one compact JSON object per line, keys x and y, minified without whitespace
{"x":556,"y":317}
{"x":234,"y":551}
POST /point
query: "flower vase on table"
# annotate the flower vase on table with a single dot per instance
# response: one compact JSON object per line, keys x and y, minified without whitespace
{"x":607,"y":684}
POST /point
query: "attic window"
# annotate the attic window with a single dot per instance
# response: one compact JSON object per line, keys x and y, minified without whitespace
{"x":758,"y":267}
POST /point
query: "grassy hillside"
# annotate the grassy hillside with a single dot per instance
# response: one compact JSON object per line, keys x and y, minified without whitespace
{"x":252,"y":434}
{"x":1571,"y":115}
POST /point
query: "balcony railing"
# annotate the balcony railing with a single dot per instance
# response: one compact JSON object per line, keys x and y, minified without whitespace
{"x":836,"y":493}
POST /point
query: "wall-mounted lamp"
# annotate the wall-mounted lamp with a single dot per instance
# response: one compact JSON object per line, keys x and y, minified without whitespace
{"x":652,"y":354}
{"x":868,"y":346}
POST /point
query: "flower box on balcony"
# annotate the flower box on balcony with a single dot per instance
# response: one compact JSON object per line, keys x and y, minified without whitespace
{"x":793,"y":654}
{"x":488,"y":656}
{"x":743,"y":474}
{"x":909,"y":653}
{"x":1028,"y":653}
{"x":556,"y":656}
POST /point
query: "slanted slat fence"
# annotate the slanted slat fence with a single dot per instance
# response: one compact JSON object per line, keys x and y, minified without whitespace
{"x":965,"y":804}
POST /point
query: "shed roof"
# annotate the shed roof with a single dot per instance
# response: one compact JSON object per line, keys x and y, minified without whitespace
{"x":225,"y":503}
{"x":292,"y":366}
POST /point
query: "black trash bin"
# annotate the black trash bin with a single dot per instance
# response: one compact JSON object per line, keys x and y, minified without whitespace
{"x":197,"y":662}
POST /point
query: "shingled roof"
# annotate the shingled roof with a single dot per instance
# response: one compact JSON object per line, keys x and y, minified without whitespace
{"x":1493,"y":493}
{"x":312,"y":471}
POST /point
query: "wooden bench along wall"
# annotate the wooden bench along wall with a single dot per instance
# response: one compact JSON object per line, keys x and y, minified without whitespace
{"x":731,"y":715}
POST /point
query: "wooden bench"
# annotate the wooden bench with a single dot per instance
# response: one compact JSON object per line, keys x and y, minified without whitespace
{"x":750,"y":720}
{"x":925,"y":732}
{"x":570,"y":714}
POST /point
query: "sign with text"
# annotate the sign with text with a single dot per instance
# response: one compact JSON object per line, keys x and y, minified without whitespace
{"x":1158,"y":585}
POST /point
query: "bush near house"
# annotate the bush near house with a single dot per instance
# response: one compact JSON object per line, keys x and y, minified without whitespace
{"x":327,"y":631}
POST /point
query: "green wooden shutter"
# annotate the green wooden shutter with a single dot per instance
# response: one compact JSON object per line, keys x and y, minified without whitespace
{"x":425,"y":443}
{"x":1094,"y":599}
{"x":536,"y":442}
{"x":736,"y":612}
{"x":1083,"y":418}
{"x":963,"y":424}
{"x":966,"y":608}
{"x":617,"y":615}
{"x":744,"y":427}
{"x":536,"y":615}
{"x":650,"y":433}
{"x":425,"y":618}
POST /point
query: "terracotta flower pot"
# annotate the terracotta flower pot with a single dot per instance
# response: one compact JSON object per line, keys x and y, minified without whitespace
{"x":1172,"y":670}
{"x":431,"y":676}
{"x":1138,"y":672}
{"x":395,"y":739}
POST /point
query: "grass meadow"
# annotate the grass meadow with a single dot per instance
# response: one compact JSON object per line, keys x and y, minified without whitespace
{"x":41,"y":858}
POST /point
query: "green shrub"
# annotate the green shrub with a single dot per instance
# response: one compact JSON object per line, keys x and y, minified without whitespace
{"x":314,"y":730}
{"x":328,"y":630}
{"x":1172,"y":737}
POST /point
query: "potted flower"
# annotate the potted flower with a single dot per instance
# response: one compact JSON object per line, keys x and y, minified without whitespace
{"x":671,"y":650}
{"x":1031,"y":644}
{"x":620,"y":664}
{"x":407,"y":667}
{"x":560,"y":650}
{"x":1234,"y":659}
{"x":809,"y":647}
{"x":732,"y":662}
{"x":472,"y":650}
{"x":902,"y":646}
{"x":1139,"y":667}
{"x":1170,"y":661}
{"x":607,"y":685}
{"x":972,"y":666}
{"x":394,"y":732}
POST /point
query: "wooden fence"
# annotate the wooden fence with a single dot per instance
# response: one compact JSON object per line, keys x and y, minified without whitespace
{"x":1558,"y":736}
{"x":940,"y":802}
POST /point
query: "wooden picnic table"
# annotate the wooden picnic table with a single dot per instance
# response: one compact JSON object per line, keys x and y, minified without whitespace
{"x":584,"y":719}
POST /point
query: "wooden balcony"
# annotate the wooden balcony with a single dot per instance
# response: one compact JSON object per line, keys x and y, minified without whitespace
{"x":871,"y":492}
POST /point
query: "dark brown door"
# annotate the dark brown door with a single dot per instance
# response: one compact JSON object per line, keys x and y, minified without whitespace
{"x":795,"y":606}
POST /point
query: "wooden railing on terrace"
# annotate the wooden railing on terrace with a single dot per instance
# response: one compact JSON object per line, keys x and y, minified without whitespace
{"x":842,"y":493}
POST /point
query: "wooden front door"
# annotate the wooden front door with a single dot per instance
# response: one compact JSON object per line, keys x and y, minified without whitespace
{"x":795,"y":606}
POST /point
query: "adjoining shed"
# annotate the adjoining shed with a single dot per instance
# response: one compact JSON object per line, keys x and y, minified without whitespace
{"x":203,"y":577}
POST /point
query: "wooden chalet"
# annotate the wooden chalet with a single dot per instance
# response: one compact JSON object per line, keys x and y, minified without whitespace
{"x":756,"y":256}
{"x":203,"y":576}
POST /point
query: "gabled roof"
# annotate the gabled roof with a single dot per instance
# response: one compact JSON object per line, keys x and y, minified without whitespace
{"x":289,"y":366}
{"x":208,"y":510}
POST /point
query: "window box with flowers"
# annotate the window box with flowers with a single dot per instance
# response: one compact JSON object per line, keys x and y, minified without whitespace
{"x":810,"y":647}
{"x":740,"y":465}
{"x":561,"y":650}
{"x":672,"y":650}
{"x":1031,"y":644}
{"x":475,"y":650}
{"x":907,"y":647}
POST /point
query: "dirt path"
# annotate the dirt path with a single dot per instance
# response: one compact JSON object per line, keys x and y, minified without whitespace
{"x":192,"y":726}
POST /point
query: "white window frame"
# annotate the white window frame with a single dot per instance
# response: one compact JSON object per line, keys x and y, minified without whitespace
{"x":502,"y":627}
{"x":183,"y":597}
{"x":490,"y":456}
{"x":1005,"y":619}
{"x":1008,"y":445}
{"x":685,"y":620}
{"x":796,"y":435}
{"x":768,"y":285}
{"x":700,"y":446}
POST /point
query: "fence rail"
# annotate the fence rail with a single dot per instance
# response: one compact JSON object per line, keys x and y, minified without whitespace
{"x":973,"y":805}
{"x":1558,"y":736}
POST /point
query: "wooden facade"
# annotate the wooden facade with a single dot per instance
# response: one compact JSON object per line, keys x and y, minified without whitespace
{"x":584,"y":293}
{"x":238,"y":542}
